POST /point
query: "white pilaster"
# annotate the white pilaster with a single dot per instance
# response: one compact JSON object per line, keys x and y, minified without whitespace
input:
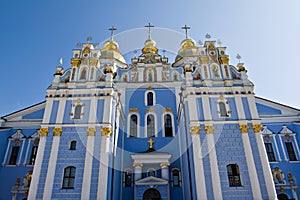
{"x":239,"y":107}
{"x":276,"y":146}
{"x":6,"y":152}
{"x":165,"y":172}
{"x":27,"y":151}
{"x":88,"y":163}
{"x":103,"y":171}
{"x":21,"y":152}
{"x":137,"y":172}
{"x":93,"y":110}
{"x":282,"y":147}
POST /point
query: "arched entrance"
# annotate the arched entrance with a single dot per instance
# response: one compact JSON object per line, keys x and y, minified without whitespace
{"x":151,"y":194}
{"x":282,"y":196}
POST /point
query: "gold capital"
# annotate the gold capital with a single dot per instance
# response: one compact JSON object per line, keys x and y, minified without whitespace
{"x":164,"y":164}
{"x":137,"y":164}
{"x":57,"y":131}
{"x":244,"y":128}
{"x":106,"y":131}
{"x":91,"y":131}
{"x":195,"y":129}
{"x":257,"y":128}
{"x":133,"y":110}
{"x":44,"y":132}
{"x":209,"y":129}
{"x":75,"y":62}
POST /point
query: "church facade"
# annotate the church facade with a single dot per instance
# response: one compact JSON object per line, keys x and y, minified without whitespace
{"x":151,"y":129}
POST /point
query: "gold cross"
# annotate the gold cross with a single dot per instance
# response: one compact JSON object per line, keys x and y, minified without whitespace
{"x":150,"y":143}
{"x":112,"y":29}
{"x":186,"y":30}
{"x":149,"y":26}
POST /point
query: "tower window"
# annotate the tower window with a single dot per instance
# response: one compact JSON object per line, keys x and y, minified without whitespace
{"x":150,"y":126}
{"x":83,"y":74}
{"x":290,"y":151}
{"x":176,"y":179}
{"x":270,"y":152}
{"x":128,"y":178}
{"x":133,"y":125}
{"x":234,"y":175}
{"x":168,"y":125}
{"x":77,"y":112}
{"x":151,"y":172}
{"x":14,"y":155}
{"x":33,"y":155}
{"x":150,"y":99}
{"x":73,"y":145}
{"x":69,"y":178}
{"x":223,"y":111}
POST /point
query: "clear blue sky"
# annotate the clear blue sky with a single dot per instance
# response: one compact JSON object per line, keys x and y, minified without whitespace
{"x":35,"y":34}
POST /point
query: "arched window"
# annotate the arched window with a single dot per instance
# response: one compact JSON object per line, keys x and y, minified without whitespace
{"x":83,"y":74}
{"x":150,"y":99}
{"x":175,"y":178}
{"x":77,"y":112}
{"x":133,"y":125}
{"x":127,"y":178}
{"x":150,"y":126}
{"x":290,"y":150}
{"x":223,"y":111}
{"x":151,"y":172}
{"x":233,"y":172}
{"x":73,"y":145}
{"x":168,"y":125}
{"x":69,"y":177}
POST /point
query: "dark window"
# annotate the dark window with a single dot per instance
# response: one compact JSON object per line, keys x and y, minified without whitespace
{"x":77,"y":112}
{"x":168,"y":126}
{"x":270,"y":152}
{"x":282,"y":197}
{"x":128,"y":178}
{"x":73,"y":145}
{"x":83,"y":74}
{"x":234,"y":175}
{"x":176,"y":180}
{"x":14,"y":155}
{"x":133,"y":126}
{"x":150,"y":99}
{"x":150,"y":126}
{"x":69,"y":178}
{"x":290,"y":151}
{"x":151,"y":173}
{"x":33,"y":155}
{"x":223,"y":112}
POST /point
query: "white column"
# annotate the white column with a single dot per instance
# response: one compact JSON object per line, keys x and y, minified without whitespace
{"x":165,"y":171}
{"x":6,"y":153}
{"x":21,"y":152}
{"x":103,"y":171}
{"x":27,"y":151}
{"x":137,"y":171}
{"x":262,"y":153}
{"x":282,"y":147}
{"x":40,"y":154}
{"x":276,"y":146}
{"x":88,"y":163}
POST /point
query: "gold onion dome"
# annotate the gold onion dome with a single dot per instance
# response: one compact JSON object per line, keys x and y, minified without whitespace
{"x":187,"y":48}
{"x":111,"y":51}
{"x":150,"y":47}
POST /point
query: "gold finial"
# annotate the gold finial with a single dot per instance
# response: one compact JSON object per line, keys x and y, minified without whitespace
{"x":186,"y":28}
{"x":150,"y":143}
{"x":149,"y":26}
{"x":112,"y":29}
{"x":60,"y":61}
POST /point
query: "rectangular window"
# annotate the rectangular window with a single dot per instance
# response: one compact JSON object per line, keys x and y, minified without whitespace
{"x":33,"y":155}
{"x":270,"y":152}
{"x":291,"y":151}
{"x":234,"y":175}
{"x":14,"y":155}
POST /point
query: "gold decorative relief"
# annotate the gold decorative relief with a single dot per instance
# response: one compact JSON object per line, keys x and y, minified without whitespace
{"x":188,"y":69}
{"x":91,"y":131}
{"x":137,"y":164}
{"x":133,"y":110}
{"x":150,"y":110}
{"x":44,"y":132}
{"x":164,"y":164}
{"x":224,"y":60}
{"x":109,"y":70}
{"x":75,"y":62}
{"x":106,"y":131}
{"x":203,"y":60}
{"x":257,"y":128}
{"x":167,"y":110}
{"x":244,"y":128}
{"x":209,"y":129}
{"x":195,"y":129}
{"x":57,"y":131}
{"x":93,"y":62}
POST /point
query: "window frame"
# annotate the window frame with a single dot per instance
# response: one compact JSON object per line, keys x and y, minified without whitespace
{"x":69,"y":178}
{"x":151,"y":170}
{"x":172,"y":123}
{"x":154,"y":126}
{"x":73,"y":109}
{"x":73,"y":145}
{"x":125,"y":175}
{"x":146,"y":97}
{"x":270,"y":153}
{"x":138,"y":124}
{"x":226,"y":103}
{"x":179,"y":179}
{"x":233,"y":182}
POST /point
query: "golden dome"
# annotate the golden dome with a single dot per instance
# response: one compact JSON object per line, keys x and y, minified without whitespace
{"x":150,"y":47}
{"x":187,"y":48}
{"x":111,"y":51}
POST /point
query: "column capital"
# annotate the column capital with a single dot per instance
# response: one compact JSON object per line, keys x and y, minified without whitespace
{"x":57,"y":131}
{"x":257,"y":128}
{"x":209,"y":129}
{"x":195,"y":129}
{"x":164,"y":164}
{"x":244,"y":128}
{"x":137,"y":164}
{"x":106,"y":131}
{"x":44,"y":132}
{"x":91,"y":131}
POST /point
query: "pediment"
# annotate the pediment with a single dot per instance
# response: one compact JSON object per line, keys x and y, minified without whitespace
{"x":151,"y":180}
{"x":17,"y":135}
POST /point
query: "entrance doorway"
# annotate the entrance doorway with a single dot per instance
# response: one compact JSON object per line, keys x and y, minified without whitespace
{"x":151,"y":194}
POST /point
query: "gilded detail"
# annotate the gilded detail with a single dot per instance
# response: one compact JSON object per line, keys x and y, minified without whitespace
{"x":188,"y":69}
{"x":106,"y":131}
{"x":150,"y":110}
{"x":133,"y":110}
{"x":203,"y":60}
{"x":57,"y":131}
{"x":195,"y":129}
{"x":224,"y":60}
{"x":164,"y":164}
{"x":91,"y":131}
{"x":167,"y":110}
{"x":75,"y":62}
{"x":137,"y":164}
{"x":244,"y":128}
{"x":209,"y":129}
{"x":109,"y":70}
{"x":44,"y":132}
{"x":257,"y":128}
{"x":93,"y":62}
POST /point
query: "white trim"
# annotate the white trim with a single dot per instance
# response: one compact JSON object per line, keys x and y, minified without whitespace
{"x":93,"y":110}
{"x":151,"y":169}
{"x":21,"y":152}
{"x":146,"y":99}
{"x":296,"y":144}
{"x":86,"y":75}
{"x":155,"y":124}
{"x":239,"y":107}
{"x":6,"y":152}
{"x":163,"y":123}
{"x":277,"y":150}
{"x":282,"y":147}
{"x":48,"y":109}
{"x":138,"y":124}
{"x":103,"y":170}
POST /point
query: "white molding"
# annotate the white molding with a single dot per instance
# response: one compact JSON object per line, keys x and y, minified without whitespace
{"x":163,"y":123}
{"x":21,"y":152}
{"x":138,"y":124}
{"x":277,"y":149}
{"x":6,"y":152}
{"x":103,"y":170}
{"x":155,"y":124}
{"x":282,"y":147}
{"x":145,"y":97}
{"x":93,"y":110}
{"x":239,"y":108}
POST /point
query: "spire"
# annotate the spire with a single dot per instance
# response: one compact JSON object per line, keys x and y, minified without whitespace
{"x":112,"y":29}
{"x":149,"y":26}
{"x":186,"y":30}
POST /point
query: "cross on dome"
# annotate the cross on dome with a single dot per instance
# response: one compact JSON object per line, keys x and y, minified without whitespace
{"x":149,"y":26}
{"x":186,"y":28}
{"x":112,"y":29}
{"x":150,"y":141}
